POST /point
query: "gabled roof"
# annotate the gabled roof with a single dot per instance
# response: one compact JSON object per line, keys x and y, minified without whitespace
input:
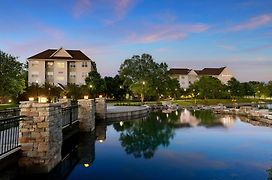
{"x":49,"y":54}
{"x":181,"y":71}
{"x":210,"y":71}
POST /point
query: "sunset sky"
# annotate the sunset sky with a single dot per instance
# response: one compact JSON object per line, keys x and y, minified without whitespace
{"x":182,"y":33}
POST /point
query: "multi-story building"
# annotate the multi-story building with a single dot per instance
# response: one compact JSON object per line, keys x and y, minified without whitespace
{"x":62,"y":66}
{"x":184,"y":76}
{"x":224,"y":74}
{"x":189,"y":76}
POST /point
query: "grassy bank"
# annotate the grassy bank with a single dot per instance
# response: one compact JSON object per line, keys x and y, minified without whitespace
{"x":4,"y":106}
{"x":190,"y":102}
{"x":216,"y":101}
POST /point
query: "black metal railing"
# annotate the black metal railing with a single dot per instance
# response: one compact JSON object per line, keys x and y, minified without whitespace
{"x":69,"y":115}
{"x":9,"y":133}
{"x":9,"y":113}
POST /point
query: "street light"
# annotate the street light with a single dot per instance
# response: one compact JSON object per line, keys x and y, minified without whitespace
{"x":142,"y":95}
{"x":37,"y":82}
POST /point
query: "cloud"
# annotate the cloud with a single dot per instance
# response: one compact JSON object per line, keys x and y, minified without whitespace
{"x":120,"y":8}
{"x":49,"y":30}
{"x":80,"y":7}
{"x":252,"y":23}
{"x":166,"y":32}
{"x":226,"y":47}
{"x":258,"y":48}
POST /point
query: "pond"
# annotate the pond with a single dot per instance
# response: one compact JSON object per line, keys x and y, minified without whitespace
{"x":180,"y":145}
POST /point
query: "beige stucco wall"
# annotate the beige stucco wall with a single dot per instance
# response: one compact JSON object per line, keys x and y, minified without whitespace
{"x":225,"y":76}
{"x":40,"y":70}
{"x":58,"y":74}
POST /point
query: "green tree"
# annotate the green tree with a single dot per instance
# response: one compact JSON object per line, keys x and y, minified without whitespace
{"x":95,"y":83}
{"x":12,"y":81}
{"x":234,"y":87}
{"x":247,"y":89}
{"x":145,"y":77}
{"x":115,"y":88}
{"x":269,"y":88}
{"x":209,"y":87}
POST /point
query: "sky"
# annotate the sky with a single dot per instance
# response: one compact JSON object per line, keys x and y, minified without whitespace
{"x":183,"y":33}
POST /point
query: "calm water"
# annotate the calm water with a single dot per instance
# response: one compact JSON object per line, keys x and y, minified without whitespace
{"x":180,"y":145}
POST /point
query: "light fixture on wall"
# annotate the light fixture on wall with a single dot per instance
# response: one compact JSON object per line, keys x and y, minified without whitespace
{"x":31,"y":98}
{"x":86,"y":97}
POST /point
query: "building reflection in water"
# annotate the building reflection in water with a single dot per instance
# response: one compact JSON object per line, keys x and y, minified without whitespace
{"x":227,"y":121}
{"x":187,"y":118}
{"x":204,"y":118}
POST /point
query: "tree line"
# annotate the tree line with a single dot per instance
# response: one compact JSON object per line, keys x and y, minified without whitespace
{"x":139,"y":77}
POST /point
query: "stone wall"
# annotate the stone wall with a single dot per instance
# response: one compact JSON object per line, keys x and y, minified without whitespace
{"x":40,"y":136}
{"x":101,"y":108}
{"x":86,"y":115}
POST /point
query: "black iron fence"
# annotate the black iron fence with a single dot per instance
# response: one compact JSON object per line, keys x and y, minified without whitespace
{"x":70,"y":115}
{"x":9,"y":133}
{"x":9,"y":113}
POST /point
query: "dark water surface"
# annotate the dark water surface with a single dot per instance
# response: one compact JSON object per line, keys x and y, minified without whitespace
{"x":180,"y":145}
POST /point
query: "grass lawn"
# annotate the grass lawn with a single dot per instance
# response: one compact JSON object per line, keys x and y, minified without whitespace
{"x":216,"y":101}
{"x":4,"y":106}
{"x":189,"y":102}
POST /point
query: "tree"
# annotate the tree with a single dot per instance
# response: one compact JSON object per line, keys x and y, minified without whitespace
{"x":269,"y":88}
{"x":95,"y":82}
{"x":234,"y":87}
{"x":12,"y":81}
{"x":115,"y":88}
{"x":145,"y":77}
{"x":209,"y":87}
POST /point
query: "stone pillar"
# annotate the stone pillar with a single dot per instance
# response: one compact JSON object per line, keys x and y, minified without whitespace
{"x":101,"y":108}
{"x":40,"y":136}
{"x":86,"y":115}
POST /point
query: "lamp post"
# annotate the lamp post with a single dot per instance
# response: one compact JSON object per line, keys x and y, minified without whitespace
{"x":194,"y":95}
{"x":142,"y":95}
{"x":49,"y":97}
{"x":37,"y":82}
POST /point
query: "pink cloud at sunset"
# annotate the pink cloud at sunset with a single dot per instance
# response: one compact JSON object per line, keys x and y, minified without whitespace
{"x":166,"y":32}
{"x":252,"y":23}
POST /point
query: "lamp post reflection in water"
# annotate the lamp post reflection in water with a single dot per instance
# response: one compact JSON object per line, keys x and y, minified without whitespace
{"x":86,"y":149}
{"x":100,"y":132}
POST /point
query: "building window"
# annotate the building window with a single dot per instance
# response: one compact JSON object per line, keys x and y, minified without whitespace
{"x":182,"y":77}
{"x":60,"y":72}
{"x":34,"y":75}
{"x":34,"y":63}
{"x":84,"y":64}
{"x":72,"y":64}
{"x":60,"y":65}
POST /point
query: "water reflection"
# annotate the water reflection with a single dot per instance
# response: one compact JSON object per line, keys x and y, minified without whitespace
{"x":100,"y":132}
{"x":182,"y":144}
{"x":142,"y":138}
{"x":86,"y":149}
